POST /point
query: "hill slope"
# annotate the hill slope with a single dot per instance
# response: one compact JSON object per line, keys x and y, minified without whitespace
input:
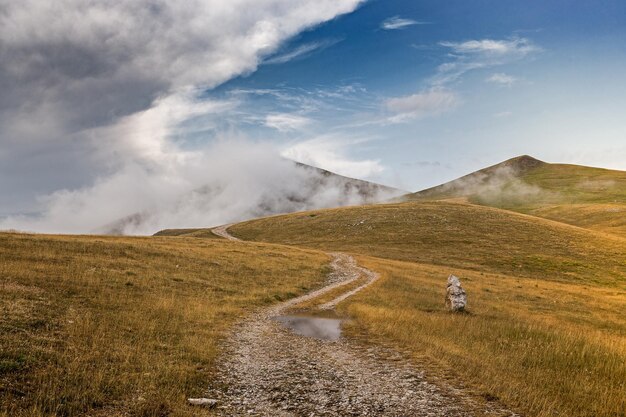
{"x":108,"y":326}
{"x":455,"y":235}
{"x":546,"y":328}
{"x":594,"y":198}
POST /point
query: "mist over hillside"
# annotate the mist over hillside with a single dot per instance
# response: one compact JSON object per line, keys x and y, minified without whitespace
{"x":231,"y":181}
{"x":594,"y":198}
{"x":503,"y":179}
{"x":526,"y":181}
{"x":291,"y":188}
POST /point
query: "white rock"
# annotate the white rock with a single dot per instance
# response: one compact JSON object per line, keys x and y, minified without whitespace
{"x":456,"y":299}
{"x":206,"y":402}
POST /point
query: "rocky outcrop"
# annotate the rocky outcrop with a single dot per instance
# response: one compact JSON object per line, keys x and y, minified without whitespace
{"x":456,"y":299}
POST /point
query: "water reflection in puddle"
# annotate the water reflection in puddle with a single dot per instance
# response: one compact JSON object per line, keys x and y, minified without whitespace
{"x":325,"y":329}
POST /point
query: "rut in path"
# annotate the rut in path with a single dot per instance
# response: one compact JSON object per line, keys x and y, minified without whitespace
{"x":268,"y":370}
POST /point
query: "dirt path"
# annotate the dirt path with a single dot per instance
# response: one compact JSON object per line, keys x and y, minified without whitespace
{"x":270,"y":371}
{"x":222,"y":231}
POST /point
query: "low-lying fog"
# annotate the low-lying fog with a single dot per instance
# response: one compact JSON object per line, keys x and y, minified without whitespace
{"x":228,"y":182}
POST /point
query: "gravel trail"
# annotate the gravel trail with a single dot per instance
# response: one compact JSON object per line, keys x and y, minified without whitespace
{"x":267,"y":370}
{"x":222,"y":231}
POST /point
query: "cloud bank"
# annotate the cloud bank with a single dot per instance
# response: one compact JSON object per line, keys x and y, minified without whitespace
{"x":96,"y":62}
{"x":330,"y":152}
{"x":98,"y":97}
{"x":230,"y":181}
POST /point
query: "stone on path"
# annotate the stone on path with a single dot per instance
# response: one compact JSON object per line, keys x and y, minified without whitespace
{"x":206,"y":402}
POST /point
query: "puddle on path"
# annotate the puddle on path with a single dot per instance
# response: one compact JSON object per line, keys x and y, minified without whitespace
{"x":319,"y":328}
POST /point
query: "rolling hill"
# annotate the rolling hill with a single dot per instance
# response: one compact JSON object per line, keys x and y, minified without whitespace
{"x":593,"y":198}
{"x":454,"y":235}
{"x":545,"y":331}
{"x":128,"y":326}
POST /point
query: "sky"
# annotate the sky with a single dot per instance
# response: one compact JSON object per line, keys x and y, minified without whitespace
{"x":113,"y":100}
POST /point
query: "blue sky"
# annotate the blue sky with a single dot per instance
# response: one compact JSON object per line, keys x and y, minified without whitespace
{"x":137,"y":104}
{"x":556,"y":90}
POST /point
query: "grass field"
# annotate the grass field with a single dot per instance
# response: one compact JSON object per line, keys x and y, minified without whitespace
{"x":110,"y":326}
{"x":572,"y":184}
{"x":546,"y":331}
{"x":202,"y":233}
{"x":608,"y":218}
{"x":453,"y":235}
{"x":106,"y":326}
{"x":546,"y":348}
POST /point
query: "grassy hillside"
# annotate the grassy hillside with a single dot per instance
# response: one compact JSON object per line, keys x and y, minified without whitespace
{"x":546,"y":331}
{"x":554,"y":191}
{"x":544,"y":348}
{"x":131,"y":326}
{"x":608,"y":218}
{"x":202,"y":233}
{"x":128,"y":326}
{"x":453,"y":235}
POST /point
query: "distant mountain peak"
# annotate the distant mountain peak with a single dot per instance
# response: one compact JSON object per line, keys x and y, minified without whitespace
{"x":470,"y":183}
{"x":524,"y":181}
{"x":521,"y":163}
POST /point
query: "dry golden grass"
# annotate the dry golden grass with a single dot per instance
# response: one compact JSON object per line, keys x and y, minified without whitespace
{"x":453,"y":235}
{"x":575,"y":184}
{"x":203,"y":233}
{"x":114,"y":326}
{"x":547,"y":348}
{"x":128,"y":326}
{"x":608,"y":218}
{"x":546,"y":331}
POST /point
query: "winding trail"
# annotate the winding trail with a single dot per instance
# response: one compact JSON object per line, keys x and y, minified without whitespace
{"x":222,"y":231}
{"x":268,"y":370}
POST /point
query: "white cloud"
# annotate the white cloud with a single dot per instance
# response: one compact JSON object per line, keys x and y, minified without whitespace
{"x":518,"y":47}
{"x":466,"y":56}
{"x":301,"y":51}
{"x":396,"y":22}
{"x":118,"y":78}
{"x":423,"y":104}
{"x":476,"y":54}
{"x":286,"y":122}
{"x":179,"y":43}
{"x":227,"y":182}
{"x":329,"y":152}
{"x":502,"y":79}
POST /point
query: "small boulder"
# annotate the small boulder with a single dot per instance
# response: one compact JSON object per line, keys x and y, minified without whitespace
{"x":456,"y":299}
{"x":205,"y":402}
